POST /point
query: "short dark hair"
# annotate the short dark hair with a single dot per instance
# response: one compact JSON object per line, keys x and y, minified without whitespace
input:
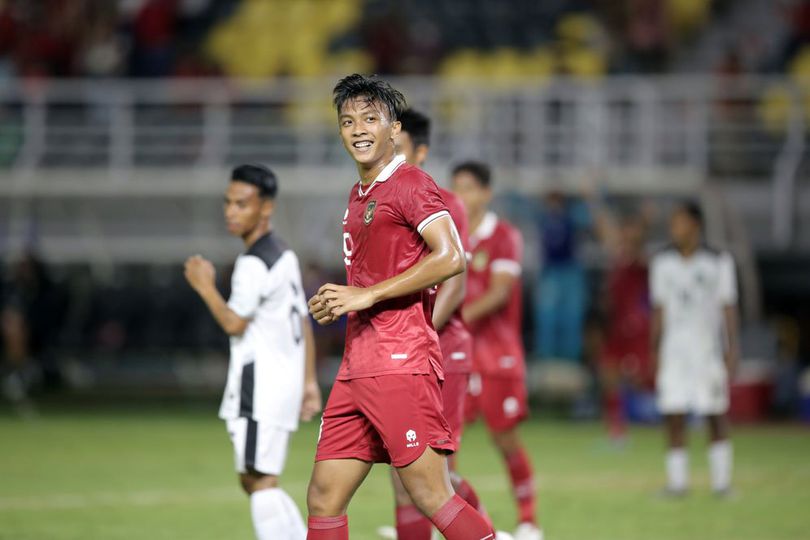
{"x":693,"y":210}
{"x":257,"y":175}
{"x":480,"y":171}
{"x":373,"y":89}
{"x":417,"y":126}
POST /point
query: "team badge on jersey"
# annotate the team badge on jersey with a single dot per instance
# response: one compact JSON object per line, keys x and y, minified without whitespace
{"x":368,"y":216}
{"x":480,"y":260}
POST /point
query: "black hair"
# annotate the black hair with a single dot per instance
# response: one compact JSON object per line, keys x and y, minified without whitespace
{"x":417,"y":126}
{"x":480,"y":171}
{"x":693,"y":210}
{"x":373,"y":89}
{"x":257,"y":175}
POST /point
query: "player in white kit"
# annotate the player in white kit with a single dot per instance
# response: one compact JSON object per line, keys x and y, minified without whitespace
{"x":271,"y":376}
{"x":695,"y":345}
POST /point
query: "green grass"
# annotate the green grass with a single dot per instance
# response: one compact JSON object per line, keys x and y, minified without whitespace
{"x":166,"y":473}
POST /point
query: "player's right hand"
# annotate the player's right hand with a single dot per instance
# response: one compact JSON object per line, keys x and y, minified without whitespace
{"x":320,"y":311}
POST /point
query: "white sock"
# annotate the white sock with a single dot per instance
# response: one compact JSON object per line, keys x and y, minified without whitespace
{"x":721,"y":457}
{"x":677,"y":469}
{"x":275,"y":516}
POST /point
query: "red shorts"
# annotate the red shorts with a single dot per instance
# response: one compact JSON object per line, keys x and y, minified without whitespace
{"x":385,"y":419}
{"x":454,"y":395}
{"x":502,"y":401}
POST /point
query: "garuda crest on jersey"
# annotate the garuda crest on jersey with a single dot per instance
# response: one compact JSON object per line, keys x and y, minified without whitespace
{"x":368,"y":215}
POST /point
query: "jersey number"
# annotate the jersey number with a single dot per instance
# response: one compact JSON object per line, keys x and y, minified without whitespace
{"x":348,"y":248}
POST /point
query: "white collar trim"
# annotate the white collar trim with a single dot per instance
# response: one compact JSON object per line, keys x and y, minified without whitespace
{"x":486,"y":227}
{"x":384,"y":175}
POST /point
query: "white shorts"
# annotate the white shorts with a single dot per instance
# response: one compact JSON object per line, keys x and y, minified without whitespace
{"x":257,"y":446}
{"x":690,"y":386}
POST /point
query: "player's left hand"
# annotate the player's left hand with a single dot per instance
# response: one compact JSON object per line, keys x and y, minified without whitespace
{"x":199,"y":272}
{"x":312,"y":403}
{"x":342,"y":299}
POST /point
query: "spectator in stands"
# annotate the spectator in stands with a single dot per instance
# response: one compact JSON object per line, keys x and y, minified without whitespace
{"x":30,"y":320}
{"x":560,"y":299}
{"x":154,"y":30}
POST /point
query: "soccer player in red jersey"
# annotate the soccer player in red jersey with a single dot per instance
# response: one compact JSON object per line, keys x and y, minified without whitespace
{"x":455,"y":341}
{"x":385,"y":406}
{"x":493,"y":309}
{"x":625,"y":354}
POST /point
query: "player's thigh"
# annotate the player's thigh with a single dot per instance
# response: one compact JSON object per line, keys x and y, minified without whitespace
{"x":406,"y":412}
{"x":427,"y":481}
{"x":674,"y":389}
{"x":472,"y":401}
{"x":259,"y":448}
{"x":333,"y":483}
{"x":504,"y":402}
{"x":712,"y":391}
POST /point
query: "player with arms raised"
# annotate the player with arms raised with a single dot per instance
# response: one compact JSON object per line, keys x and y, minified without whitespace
{"x":271,"y":377}
{"x":385,"y":406}
{"x":694,"y":344}
{"x":493,"y":309}
{"x":455,"y":340}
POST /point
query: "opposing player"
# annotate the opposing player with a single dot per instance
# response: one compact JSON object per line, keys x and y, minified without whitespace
{"x":694,"y":344}
{"x":385,"y":406}
{"x":271,"y":377}
{"x":455,"y":341}
{"x":493,"y":309}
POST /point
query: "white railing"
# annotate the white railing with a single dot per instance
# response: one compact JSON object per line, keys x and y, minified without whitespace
{"x":68,"y":142}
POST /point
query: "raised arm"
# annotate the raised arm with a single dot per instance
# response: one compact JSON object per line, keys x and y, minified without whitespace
{"x":201,"y":275}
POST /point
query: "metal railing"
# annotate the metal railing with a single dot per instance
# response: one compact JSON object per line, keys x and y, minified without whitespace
{"x":64,"y":143}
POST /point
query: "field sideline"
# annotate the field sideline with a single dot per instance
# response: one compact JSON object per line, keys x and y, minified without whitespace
{"x":115,"y":473}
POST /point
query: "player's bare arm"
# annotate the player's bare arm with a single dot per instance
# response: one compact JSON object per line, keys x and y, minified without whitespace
{"x":656,"y":324}
{"x":446,"y":259}
{"x":448,"y":299}
{"x":312,"y":402}
{"x":494,"y":299}
{"x":732,"y":350}
{"x":201,"y":275}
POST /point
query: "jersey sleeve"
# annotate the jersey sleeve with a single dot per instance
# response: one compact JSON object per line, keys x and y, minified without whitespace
{"x":422,"y":203}
{"x":656,"y":283}
{"x":509,"y":256}
{"x":727,"y":282}
{"x":246,"y":283}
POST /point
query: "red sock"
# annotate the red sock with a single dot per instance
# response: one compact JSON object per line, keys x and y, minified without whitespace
{"x":328,"y":528}
{"x":457,"y":520}
{"x":520,"y":472}
{"x":412,"y":524}
{"x":614,"y":415}
{"x":466,"y":492}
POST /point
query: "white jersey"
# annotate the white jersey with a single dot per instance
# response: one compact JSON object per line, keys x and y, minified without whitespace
{"x":692,"y":294}
{"x":266,"y":371}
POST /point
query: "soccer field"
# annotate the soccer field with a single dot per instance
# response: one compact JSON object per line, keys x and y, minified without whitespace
{"x":110,"y":472}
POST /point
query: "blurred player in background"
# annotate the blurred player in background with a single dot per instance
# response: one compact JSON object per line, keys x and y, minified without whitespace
{"x":271,"y":378}
{"x":624,"y":357}
{"x":493,"y":309}
{"x":386,"y":406}
{"x":694,"y":343}
{"x":455,"y":340}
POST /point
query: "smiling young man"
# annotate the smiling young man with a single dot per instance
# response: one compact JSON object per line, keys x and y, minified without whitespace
{"x":413,"y":142}
{"x":386,"y":405}
{"x":271,"y":377}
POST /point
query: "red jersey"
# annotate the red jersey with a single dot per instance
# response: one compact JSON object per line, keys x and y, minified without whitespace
{"x":497,"y":246}
{"x":454,"y":337}
{"x":382,"y":238}
{"x":628,"y":307}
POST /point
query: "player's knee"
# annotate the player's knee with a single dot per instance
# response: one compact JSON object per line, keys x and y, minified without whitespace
{"x":321,"y":501}
{"x":507,"y":441}
{"x":247,"y":483}
{"x":428,"y":499}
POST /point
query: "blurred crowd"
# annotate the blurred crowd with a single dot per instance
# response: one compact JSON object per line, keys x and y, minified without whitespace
{"x":510,"y":38}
